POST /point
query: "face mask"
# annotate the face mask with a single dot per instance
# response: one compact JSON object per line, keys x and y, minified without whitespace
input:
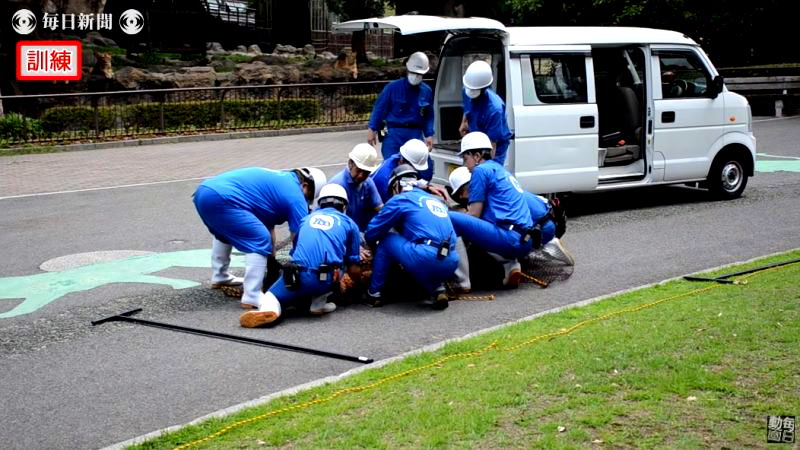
{"x":473,"y":93}
{"x":414,"y":78}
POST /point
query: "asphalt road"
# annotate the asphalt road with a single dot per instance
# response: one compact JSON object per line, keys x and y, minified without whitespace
{"x":66,"y":384}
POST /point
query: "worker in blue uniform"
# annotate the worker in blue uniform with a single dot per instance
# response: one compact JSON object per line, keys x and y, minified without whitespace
{"x":424,"y":244}
{"x":328,"y":242}
{"x":364,"y":198}
{"x":497,"y":219}
{"x":413,"y":152}
{"x":406,"y":105}
{"x":241,"y":208}
{"x":484,"y":110}
{"x":541,"y":211}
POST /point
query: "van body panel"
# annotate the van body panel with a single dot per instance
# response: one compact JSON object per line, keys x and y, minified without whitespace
{"x":594,"y":36}
{"x":414,"y":24}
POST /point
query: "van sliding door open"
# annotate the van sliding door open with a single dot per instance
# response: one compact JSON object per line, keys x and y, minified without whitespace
{"x":555,"y":118}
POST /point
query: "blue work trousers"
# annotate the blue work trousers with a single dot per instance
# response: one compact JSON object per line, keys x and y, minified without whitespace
{"x":489,"y":236}
{"x":501,"y":152}
{"x":310,"y":287}
{"x":397,"y":137}
{"x":420,"y":260}
{"x":232,"y":224}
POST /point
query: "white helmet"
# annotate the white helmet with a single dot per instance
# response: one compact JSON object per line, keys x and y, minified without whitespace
{"x":459,"y":177}
{"x":418,"y":63}
{"x":475,"y":141}
{"x":364,"y":157}
{"x":332,"y":191}
{"x":416,"y":153}
{"x":314,"y":176}
{"x":478,"y":75}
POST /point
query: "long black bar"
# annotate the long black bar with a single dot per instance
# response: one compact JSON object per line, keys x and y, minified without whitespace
{"x":125,"y":317}
{"x":724,"y":278}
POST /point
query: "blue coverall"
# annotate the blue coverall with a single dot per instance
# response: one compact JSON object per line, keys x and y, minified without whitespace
{"x":504,"y":207}
{"x":383,"y":174}
{"x":539,"y":208}
{"x":362,"y":199}
{"x":487,"y":114}
{"x":241,"y":206}
{"x":422,"y":227}
{"x":326,"y":237}
{"x":408,"y":112}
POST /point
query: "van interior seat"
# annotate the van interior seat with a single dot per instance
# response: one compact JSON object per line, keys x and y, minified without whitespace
{"x":625,"y":107}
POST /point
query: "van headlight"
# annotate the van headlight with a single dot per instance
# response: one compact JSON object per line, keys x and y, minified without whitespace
{"x":749,"y":119}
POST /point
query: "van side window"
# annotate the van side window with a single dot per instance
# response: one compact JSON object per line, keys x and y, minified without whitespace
{"x":683,"y":75}
{"x":557,"y":78}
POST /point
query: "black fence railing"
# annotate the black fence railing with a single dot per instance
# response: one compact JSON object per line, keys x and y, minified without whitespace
{"x":58,"y":118}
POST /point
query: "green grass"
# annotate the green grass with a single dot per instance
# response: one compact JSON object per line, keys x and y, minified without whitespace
{"x":699,"y":371}
{"x":28,"y":150}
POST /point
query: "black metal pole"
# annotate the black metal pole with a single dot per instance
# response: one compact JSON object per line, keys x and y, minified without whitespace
{"x":724,"y":278}
{"x":125,"y":317}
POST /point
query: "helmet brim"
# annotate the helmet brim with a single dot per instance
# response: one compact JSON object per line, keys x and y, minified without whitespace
{"x":364,"y":167}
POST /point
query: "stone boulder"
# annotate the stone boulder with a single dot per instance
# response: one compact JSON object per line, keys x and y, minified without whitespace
{"x":241,"y":48}
{"x":193,"y":77}
{"x":133,"y":78}
{"x":254,"y":49}
{"x":255,"y":73}
{"x":214,"y":47}
{"x":309,"y":50}
{"x":95,"y":38}
{"x":286,"y":50}
{"x":326,"y":55}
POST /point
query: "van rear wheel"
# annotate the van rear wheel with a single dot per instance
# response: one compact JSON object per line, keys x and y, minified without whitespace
{"x":727,"y":177}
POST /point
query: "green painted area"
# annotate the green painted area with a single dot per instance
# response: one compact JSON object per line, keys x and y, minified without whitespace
{"x":777,"y":166}
{"x":41,"y":289}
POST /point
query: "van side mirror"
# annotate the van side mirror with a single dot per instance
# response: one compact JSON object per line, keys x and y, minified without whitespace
{"x":716,"y":86}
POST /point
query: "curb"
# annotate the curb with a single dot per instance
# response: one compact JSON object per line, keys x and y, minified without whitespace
{"x":426,"y":349}
{"x":198,"y":138}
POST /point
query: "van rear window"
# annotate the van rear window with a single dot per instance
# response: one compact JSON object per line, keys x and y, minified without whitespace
{"x":558,"y":78}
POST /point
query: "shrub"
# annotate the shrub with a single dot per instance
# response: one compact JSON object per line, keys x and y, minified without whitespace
{"x":359,"y":104}
{"x":77,"y":118}
{"x":15,"y":127}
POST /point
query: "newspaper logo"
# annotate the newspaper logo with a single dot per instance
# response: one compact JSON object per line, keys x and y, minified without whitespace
{"x":23,"y":21}
{"x":49,"y":60}
{"x":131,"y":21}
{"x":780,"y":429}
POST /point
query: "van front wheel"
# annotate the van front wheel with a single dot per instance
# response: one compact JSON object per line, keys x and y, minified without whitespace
{"x":727,"y":177}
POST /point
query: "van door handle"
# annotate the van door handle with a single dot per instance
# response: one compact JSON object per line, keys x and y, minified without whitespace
{"x":649,"y":127}
{"x":587,"y":121}
{"x":668,"y":117}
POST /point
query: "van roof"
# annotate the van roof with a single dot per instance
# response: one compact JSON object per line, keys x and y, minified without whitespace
{"x":593,"y":35}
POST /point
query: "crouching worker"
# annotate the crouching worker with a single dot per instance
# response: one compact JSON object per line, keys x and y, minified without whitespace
{"x":497,"y":219}
{"x":328,"y":240}
{"x":424,"y":244}
{"x":241,"y":208}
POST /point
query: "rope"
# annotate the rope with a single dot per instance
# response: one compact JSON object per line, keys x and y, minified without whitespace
{"x":441,"y":361}
{"x":541,"y":283}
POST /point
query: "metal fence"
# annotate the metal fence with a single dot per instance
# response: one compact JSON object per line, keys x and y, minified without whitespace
{"x":127,"y":114}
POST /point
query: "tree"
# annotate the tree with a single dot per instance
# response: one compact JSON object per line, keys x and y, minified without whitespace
{"x":357,"y":9}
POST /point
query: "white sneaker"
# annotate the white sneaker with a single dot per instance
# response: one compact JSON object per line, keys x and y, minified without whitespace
{"x":232,"y":281}
{"x":513,"y":275}
{"x":268,"y":311}
{"x":320,"y":306}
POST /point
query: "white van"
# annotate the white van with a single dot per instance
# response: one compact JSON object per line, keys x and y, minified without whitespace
{"x":593,"y":108}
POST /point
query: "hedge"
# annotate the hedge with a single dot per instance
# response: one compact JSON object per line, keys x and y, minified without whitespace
{"x":359,"y":104}
{"x":195,"y":114}
{"x":15,"y":127}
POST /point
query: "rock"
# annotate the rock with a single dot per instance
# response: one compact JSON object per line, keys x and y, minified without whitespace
{"x":254,"y":49}
{"x":254,"y":73}
{"x":372,"y":56}
{"x":214,"y":47}
{"x":193,"y":77}
{"x":130,"y":77}
{"x":226,"y":79}
{"x":95,"y":38}
{"x":223,"y":65}
{"x":309,"y":50}
{"x":327,"y":55}
{"x":241,"y":48}
{"x":284,"y":50}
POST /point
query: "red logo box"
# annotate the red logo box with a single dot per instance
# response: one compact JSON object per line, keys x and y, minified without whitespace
{"x":49,"y":60}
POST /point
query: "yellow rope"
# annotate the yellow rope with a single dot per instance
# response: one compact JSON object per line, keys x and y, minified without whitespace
{"x":439,"y":362}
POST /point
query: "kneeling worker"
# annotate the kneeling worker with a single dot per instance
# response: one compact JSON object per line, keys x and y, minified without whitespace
{"x":241,"y":208}
{"x":497,"y":219}
{"x":328,"y":240}
{"x":364,"y":198}
{"x":413,"y":152}
{"x":424,"y":244}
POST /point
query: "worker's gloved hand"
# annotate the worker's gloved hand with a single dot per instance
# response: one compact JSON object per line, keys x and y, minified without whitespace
{"x":438,"y":191}
{"x":372,"y":138}
{"x":366,"y":254}
{"x":429,"y":142}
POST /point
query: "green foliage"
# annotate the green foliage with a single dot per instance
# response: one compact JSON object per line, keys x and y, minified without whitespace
{"x":356,"y":9}
{"x":359,"y":104}
{"x":76,"y":118}
{"x":201,"y":114}
{"x":15,"y":127}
